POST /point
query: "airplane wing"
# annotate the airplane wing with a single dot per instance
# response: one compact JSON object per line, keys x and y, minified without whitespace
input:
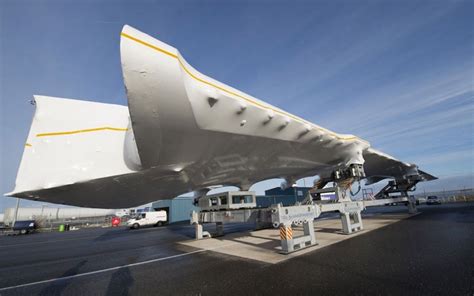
{"x":182,"y":132}
{"x":379,"y":166}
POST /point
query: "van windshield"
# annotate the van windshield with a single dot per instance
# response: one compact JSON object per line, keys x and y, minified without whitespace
{"x":138,"y":216}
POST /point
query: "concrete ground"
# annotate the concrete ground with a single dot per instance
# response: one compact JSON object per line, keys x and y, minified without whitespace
{"x":265,"y":245}
{"x":428,"y":254}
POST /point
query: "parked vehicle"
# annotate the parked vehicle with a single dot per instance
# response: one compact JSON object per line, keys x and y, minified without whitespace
{"x":433,"y":200}
{"x":148,"y":219}
{"x":399,"y":203}
{"x":25,"y":226}
{"x":420,"y":200}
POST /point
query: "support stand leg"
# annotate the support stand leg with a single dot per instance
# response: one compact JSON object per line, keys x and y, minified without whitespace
{"x":286,"y":237}
{"x":346,"y":223}
{"x":198,"y":231}
{"x":358,"y":220}
{"x":412,"y":206}
{"x":351,"y":222}
{"x":308,"y":228}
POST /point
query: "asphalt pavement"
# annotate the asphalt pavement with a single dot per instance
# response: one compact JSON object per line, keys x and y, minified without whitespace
{"x":428,"y":254}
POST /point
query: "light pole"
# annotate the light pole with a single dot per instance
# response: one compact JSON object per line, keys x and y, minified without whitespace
{"x":294,"y":192}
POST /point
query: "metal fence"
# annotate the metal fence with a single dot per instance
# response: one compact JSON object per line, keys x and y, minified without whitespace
{"x":46,"y":224}
{"x":461,"y":195}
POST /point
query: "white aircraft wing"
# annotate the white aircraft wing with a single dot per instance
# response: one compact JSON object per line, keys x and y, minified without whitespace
{"x":182,"y":132}
{"x":379,"y":166}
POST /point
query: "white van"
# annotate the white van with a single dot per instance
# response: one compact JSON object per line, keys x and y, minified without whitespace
{"x":148,"y":219}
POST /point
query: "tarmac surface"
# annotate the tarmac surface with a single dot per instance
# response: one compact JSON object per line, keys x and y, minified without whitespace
{"x":428,"y":254}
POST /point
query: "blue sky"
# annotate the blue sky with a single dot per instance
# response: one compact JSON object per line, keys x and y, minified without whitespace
{"x":399,"y":74}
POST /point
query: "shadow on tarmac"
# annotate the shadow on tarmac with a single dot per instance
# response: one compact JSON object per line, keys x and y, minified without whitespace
{"x":57,"y":288}
{"x":120,"y":282}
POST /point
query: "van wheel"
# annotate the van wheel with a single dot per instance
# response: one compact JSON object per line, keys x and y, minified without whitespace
{"x":23,"y":231}
{"x":159,"y":223}
{"x":136,"y":226}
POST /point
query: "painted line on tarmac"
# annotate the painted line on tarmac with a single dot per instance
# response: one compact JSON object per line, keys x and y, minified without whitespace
{"x":110,"y":269}
{"x":45,"y":242}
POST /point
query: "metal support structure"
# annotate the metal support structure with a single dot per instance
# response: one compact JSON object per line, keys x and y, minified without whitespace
{"x":286,"y":238}
{"x":290,"y":244}
{"x":349,"y":211}
{"x":199,"y":232}
{"x":304,"y":214}
{"x":198,"y":228}
{"x":261,"y":218}
{"x":286,"y":217}
{"x":351,"y":218}
{"x":400,"y":188}
{"x":351,"y":222}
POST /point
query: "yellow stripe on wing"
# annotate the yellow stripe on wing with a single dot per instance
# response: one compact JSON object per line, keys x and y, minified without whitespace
{"x":104,"y":128}
{"x":234,"y":93}
{"x":149,"y":45}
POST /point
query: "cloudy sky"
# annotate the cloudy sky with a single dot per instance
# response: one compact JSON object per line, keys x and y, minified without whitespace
{"x":396,"y":73}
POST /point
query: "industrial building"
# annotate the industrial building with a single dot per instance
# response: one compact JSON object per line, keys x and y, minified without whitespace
{"x":288,"y":196}
{"x":178,"y":209}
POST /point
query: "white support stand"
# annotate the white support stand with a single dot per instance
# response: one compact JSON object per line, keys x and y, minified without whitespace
{"x":260,"y":216}
{"x":291,"y":244}
{"x":199,"y":233}
{"x":350,"y":211}
{"x":351,"y":222}
{"x":285,"y":217}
